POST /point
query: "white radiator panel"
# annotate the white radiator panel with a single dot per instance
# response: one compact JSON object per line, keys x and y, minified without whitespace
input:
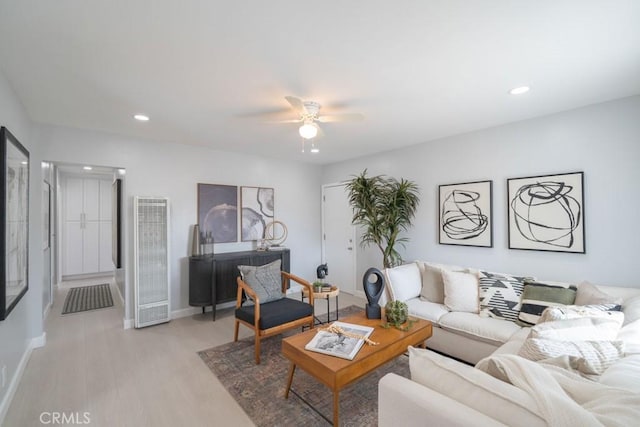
{"x":151,"y":252}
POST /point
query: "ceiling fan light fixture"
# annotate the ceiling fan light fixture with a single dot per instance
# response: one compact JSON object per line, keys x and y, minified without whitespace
{"x":308,"y":131}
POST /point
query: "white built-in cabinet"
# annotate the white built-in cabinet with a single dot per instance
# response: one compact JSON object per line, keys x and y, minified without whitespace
{"x":86,"y":226}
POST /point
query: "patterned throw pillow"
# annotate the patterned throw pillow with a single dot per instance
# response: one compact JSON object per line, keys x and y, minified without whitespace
{"x":589,"y":357}
{"x":499,"y":295}
{"x":265,"y":280}
{"x":537,"y":296}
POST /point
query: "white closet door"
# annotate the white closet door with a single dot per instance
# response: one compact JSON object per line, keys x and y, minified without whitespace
{"x":92,"y":200}
{"x":73,"y":248}
{"x":73,"y":199}
{"x":91,"y":261}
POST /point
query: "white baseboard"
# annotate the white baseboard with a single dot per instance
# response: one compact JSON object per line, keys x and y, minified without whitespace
{"x":360,"y":294}
{"x":36,"y":342}
{"x":186,"y":312}
{"x":128,"y":323}
{"x":47,"y":310}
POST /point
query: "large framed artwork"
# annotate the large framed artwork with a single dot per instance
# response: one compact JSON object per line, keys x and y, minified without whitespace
{"x":218,"y":212}
{"x":465,"y":215}
{"x":546,"y":213}
{"x":257,"y":211}
{"x":14,"y":220}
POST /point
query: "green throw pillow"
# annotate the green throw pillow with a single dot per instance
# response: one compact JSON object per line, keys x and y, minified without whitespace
{"x":265,"y":280}
{"x":537,"y":296}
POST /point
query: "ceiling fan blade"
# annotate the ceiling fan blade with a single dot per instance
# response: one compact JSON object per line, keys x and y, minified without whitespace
{"x":296,"y":103}
{"x":320,"y":132}
{"x":284,"y":121}
{"x":347,"y":117}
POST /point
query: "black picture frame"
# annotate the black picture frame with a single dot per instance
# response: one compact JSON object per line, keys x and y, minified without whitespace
{"x":546,"y":213}
{"x":465,"y":215}
{"x":218,"y":213}
{"x":14,"y":220}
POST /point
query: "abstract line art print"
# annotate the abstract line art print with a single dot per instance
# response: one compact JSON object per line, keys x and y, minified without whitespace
{"x":465,"y":214}
{"x":257,"y":211}
{"x":546,"y":213}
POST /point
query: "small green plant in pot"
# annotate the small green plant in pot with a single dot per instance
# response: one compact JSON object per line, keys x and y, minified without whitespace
{"x":317,"y":286}
{"x":397,"y":314}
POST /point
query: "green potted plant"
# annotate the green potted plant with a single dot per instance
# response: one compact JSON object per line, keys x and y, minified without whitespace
{"x":384,"y":207}
{"x":317,"y":286}
{"x":397,"y":313}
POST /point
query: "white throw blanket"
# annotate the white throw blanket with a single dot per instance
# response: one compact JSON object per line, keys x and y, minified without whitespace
{"x":564,"y":398}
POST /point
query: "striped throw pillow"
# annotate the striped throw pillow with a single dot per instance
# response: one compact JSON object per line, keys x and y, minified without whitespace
{"x":537,"y":296}
{"x":589,"y":357}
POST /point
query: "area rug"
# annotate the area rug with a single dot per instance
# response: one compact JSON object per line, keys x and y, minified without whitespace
{"x":86,"y":298}
{"x":259,"y":389}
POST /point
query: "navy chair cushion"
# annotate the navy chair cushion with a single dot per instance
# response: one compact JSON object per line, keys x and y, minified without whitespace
{"x":276,"y":313}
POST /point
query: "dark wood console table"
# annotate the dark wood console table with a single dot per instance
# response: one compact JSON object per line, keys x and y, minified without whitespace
{"x":212,"y":278}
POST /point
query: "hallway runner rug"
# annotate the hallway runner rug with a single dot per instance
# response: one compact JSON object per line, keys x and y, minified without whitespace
{"x":86,"y":298}
{"x":259,"y":389}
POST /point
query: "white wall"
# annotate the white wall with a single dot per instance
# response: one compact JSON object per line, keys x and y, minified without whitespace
{"x":602,"y":140}
{"x":24,"y":323}
{"x":173,"y":170}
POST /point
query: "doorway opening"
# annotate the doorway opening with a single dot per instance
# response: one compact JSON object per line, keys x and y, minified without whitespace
{"x":86,"y":227}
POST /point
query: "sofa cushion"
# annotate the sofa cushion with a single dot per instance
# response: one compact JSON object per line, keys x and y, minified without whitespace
{"x":426,"y":309}
{"x":630,"y":335}
{"x":588,"y":294}
{"x":609,"y":312}
{"x":404,"y":281}
{"x":474,"y":388}
{"x":513,"y":344}
{"x":499,"y":295}
{"x":578,"y":329}
{"x":623,"y":374}
{"x":487,"y":329}
{"x":631,"y":309}
{"x":537,"y":296}
{"x":589,"y":357}
{"x":264,"y":280}
{"x":460,"y":291}
{"x":432,"y":284}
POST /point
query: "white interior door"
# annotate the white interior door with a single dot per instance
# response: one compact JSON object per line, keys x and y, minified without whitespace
{"x":339,"y":239}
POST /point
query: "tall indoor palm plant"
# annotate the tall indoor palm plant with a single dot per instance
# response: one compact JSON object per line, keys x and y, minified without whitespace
{"x":384,"y":206}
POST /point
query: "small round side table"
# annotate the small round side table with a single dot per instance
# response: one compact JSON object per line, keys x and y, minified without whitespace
{"x":334,"y":292}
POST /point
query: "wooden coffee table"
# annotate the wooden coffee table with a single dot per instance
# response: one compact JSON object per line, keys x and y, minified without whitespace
{"x":337,"y":373}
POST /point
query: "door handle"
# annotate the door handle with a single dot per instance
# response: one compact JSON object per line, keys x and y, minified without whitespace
{"x":350,"y":248}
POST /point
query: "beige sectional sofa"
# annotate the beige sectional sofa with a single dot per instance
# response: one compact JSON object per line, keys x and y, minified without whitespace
{"x":444,"y":391}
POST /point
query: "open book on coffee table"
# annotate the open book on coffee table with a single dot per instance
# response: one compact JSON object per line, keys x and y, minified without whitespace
{"x":344,"y":345}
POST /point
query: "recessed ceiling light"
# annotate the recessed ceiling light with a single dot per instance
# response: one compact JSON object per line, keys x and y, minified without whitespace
{"x":122,"y":171}
{"x":315,"y":150}
{"x":141,"y":117}
{"x":519,"y":90}
{"x":24,"y":163}
{"x":87,"y":168}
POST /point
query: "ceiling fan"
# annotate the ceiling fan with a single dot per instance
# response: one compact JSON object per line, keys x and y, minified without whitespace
{"x":309,"y":112}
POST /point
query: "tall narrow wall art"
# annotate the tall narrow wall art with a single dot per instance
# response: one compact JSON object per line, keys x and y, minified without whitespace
{"x":218,"y":212}
{"x":465,"y":214}
{"x":546,"y":213}
{"x":257,"y":211}
{"x":14,"y":221}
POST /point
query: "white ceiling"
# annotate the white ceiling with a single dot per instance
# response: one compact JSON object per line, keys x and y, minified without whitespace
{"x":206,"y":71}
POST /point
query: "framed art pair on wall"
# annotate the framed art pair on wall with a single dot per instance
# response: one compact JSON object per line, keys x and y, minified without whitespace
{"x":218,"y":212}
{"x":545,"y":213}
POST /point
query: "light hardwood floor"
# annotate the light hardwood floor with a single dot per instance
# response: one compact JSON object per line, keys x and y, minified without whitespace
{"x":137,"y":377}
